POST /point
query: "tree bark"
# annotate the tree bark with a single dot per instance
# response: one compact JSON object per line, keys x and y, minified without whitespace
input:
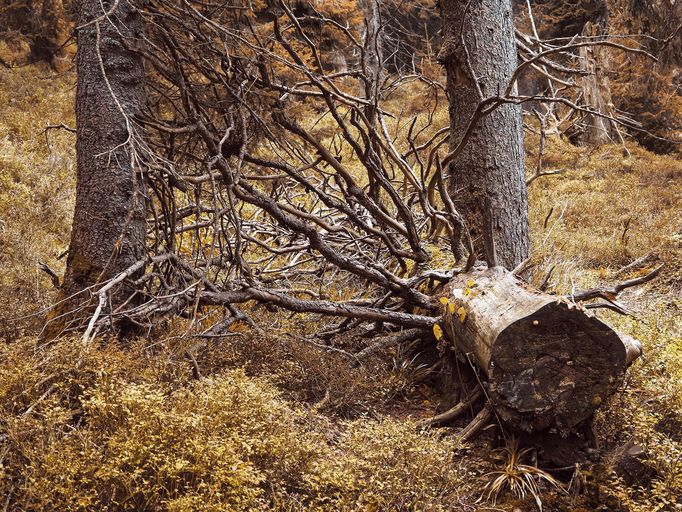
{"x":373,"y":62}
{"x":372,"y":67}
{"x":597,"y":91}
{"x":487,"y":182}
{"x":548,"y":363}
{"x":108,"y":232}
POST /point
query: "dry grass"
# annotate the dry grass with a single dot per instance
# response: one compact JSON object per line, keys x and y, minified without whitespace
{"x":604,"y":211}
{"x":36,"y":187}
{"x":278,"y":423}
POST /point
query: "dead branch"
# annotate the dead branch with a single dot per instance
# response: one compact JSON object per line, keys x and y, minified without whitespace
{"x":455,"y":412}
{"x":389,"y":341}
{"x":610,"y":293}
{"x":54,"y":277}
{"x":473,"y":429}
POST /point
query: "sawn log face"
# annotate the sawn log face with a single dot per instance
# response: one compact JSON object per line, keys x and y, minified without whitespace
{"x":548,"y":363}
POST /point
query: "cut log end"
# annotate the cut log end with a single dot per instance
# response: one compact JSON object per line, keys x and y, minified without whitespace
{"x":548,"y":363}
{"x":553,"y":368}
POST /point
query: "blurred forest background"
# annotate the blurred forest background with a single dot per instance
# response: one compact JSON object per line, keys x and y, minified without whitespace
{"x":267,"y":417}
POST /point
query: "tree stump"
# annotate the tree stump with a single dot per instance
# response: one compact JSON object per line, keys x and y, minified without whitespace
{"x":548,"y":363}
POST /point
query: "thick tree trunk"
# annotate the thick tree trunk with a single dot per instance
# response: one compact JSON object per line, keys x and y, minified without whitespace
{"x":487,"y":181}
{"x":108,"y":233}
{"x":548,"y":363}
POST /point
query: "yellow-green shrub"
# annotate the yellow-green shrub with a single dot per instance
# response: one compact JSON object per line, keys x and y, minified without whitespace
{"x":125,"y":428}
{"x":648,"y":412}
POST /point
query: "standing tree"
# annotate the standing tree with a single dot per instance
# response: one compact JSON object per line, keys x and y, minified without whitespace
{"x":487,"y":175}
{"x":109,"y":225}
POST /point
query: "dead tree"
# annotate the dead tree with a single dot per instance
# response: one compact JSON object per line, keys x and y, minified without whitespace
{"x":253,"y":199}
{"x":594,"y":60}
{"x":548,"y":363}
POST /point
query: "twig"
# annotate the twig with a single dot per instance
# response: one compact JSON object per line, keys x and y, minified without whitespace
{"x":544,"y":224}
{"x":60,"y":126}
{"x":54,"y":277}
{"x":545,"y":281}
{"x":102,"y":293}
{"x":611,"y":293}
{"x":477,"y":424}
{"x":636,"y":264}
{"x":196,"y":372}
{"x":42,"y":397}
{"x":522,"y":267}
{"x":455,"y":412}
{"x":612,"y":305}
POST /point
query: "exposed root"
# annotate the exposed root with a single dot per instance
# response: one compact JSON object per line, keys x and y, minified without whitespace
{"x":474,"y":428}
{"x":455,"y":412}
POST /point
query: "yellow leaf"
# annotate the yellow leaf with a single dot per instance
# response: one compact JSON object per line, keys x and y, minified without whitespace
{"x":467,"y":291}
{"x":470,"y":283}
{"x":462,"y":314}
{"x":437,"y":331}
{"x":444,"y":301}
{"x":451,"y":308}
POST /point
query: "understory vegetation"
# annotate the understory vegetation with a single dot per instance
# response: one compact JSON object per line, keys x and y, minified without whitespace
{"x":267,"y":419}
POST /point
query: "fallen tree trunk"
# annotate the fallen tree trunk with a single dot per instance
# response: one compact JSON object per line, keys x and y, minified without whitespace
{"x":548,"y":363}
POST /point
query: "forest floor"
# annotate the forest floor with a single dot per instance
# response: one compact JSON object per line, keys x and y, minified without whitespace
{"x":270,"y":420}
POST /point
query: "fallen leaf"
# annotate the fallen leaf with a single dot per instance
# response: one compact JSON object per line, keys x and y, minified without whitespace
{"x":437,"y":331}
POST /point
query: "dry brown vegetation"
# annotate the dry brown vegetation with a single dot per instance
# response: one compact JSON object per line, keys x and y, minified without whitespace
{"x":275,"y":422}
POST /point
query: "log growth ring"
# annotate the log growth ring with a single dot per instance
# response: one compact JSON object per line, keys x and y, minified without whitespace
{"x":553,"y":368}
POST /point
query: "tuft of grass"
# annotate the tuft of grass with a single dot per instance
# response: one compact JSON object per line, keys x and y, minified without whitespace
{"x":515,"y":476}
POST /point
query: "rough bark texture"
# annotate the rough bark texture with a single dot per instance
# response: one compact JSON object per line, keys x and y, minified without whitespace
{"x":548,"y":364}
{"x":597,"y":91}
{"x":487,"y":179}
{"x":108,"y":232}
{"x":373,"y":56}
